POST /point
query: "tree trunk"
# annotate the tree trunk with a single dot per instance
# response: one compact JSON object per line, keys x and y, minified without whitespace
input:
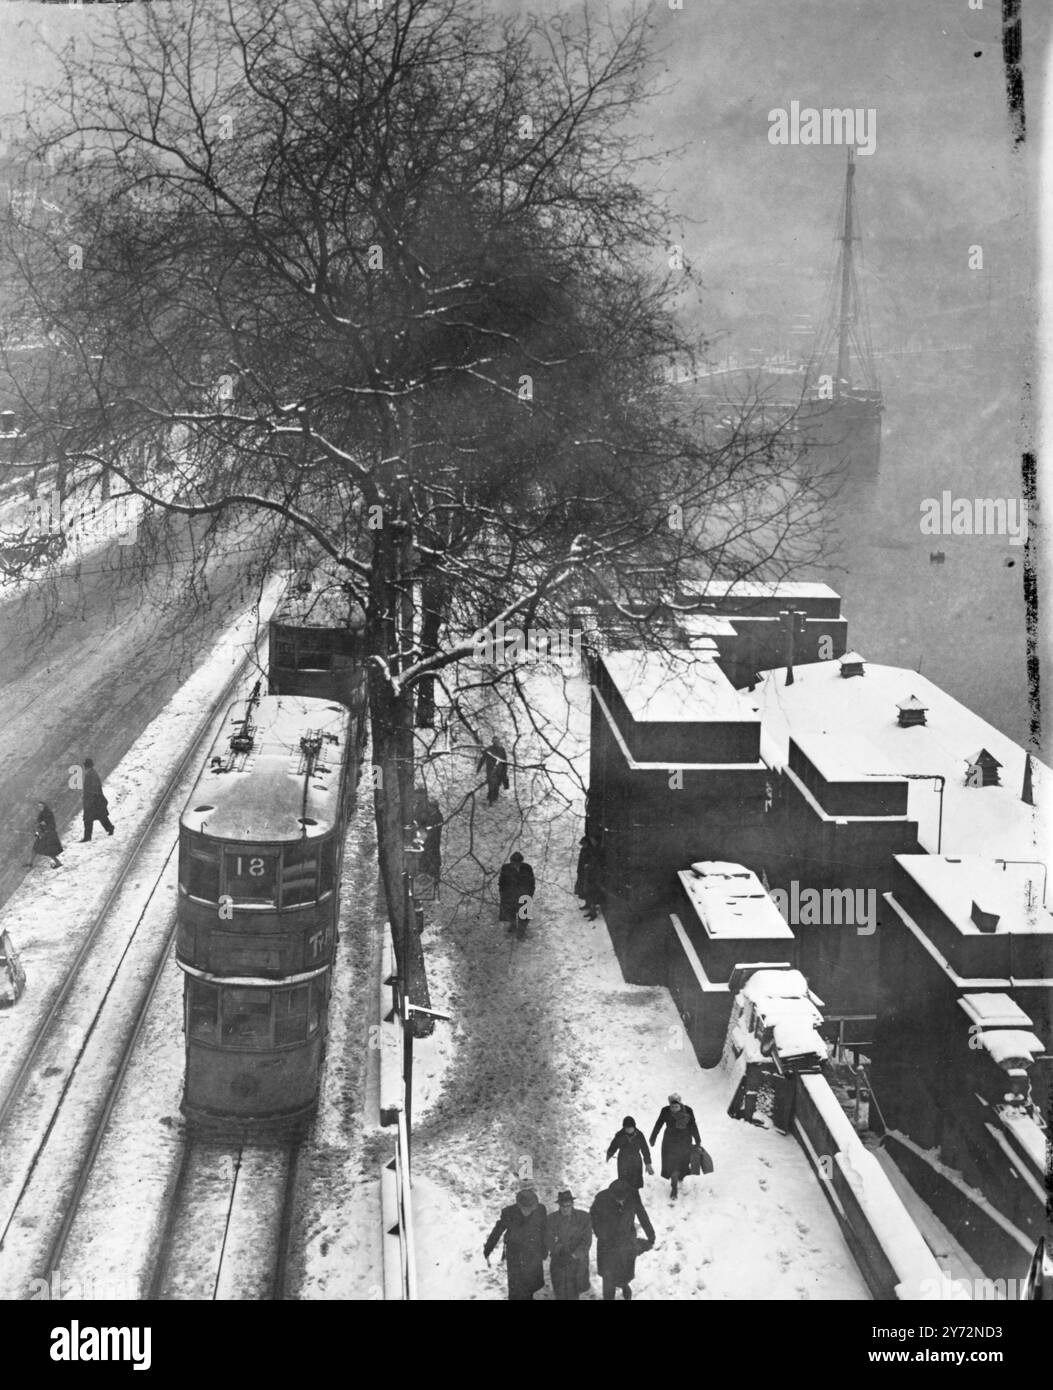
{"x":431,"y":623}
{"x":391,"y":719}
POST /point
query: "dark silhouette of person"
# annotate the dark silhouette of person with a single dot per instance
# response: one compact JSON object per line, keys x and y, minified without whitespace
{"x":495,"y":760}
{"x":514,"y":883}
{"x":45,"y":838}
{"x":96,"y":807}
{"x":569,"y":1240}
{"x":614,"y":1215}
{"x":680,"y":1129}
{"x":633,"y":1154}
{"x":589,"y":881}
{"x":523,"y":1226}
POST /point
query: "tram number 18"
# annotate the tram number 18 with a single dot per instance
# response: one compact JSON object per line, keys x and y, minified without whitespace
{"x":255,"y":869}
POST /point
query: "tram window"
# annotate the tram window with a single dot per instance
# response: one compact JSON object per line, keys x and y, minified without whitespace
{"x":314,"y":658}
{"x":202,"y":875}
{"x":290,"y":1015}
{"x":300,"y":873}
{"x":328,"y":867}
{"x":286,"y":652}
{"x":247,"y":1017}
{"x":202,"y":1001}
{"x":251,"y":877}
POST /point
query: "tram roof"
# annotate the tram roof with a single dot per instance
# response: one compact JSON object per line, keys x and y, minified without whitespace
{"x":323,"y":605}
{"x":258,"y":796}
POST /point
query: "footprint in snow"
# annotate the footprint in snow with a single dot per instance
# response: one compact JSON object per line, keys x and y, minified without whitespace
{"x":763,"y":1184}
{"x":784,"y":1261}
{"x":802,"y":1227}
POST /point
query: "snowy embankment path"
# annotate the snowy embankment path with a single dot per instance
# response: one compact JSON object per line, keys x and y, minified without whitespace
{"x":549,"y":1049}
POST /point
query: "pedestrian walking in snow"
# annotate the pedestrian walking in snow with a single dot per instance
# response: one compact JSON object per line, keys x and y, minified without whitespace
{"x":569,"y":1241}
{"x":495,"y":760}
{"x":589,"y":881}
{"x":614,"y":1215}
{"x":45,"y":837}
{"x":633,"y":1154}
{"x":681,"y":1130}
{"x":96,"y":807}
{"x":515,"y":891}
{"x":524,"y":1227}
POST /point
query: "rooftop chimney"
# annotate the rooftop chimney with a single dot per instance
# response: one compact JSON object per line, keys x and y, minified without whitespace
{"x":983,"y":770}
{"x":911,"y":711}
{"x":851,"y":665}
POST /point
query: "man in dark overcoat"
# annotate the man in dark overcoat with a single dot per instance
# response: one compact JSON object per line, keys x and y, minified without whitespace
{"x":95,"y":805}
{"x":514,"y":883}
{"x":524,"y":1227}
{"x":495,"y":760}
{"x":589,"y":881}
{"x":633,"y":1154}
{"x":614,"y":1215}
{"x":569,"y":1241}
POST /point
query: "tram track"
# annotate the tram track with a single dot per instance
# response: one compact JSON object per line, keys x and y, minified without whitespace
{"x":226,"y":1234}
{"x":55,"y":1110}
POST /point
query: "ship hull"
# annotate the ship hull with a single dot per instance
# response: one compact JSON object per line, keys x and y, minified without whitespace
{"x":843,"y":432}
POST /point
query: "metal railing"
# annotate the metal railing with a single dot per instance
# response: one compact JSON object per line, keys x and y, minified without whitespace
{"x":404,"y":1203}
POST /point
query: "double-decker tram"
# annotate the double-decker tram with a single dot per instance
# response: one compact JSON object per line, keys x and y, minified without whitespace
{"x":317,"y":648}
{"x":260,"y":848}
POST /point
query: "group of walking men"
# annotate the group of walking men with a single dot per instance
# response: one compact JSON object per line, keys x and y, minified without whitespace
{"x":564,"y":1236}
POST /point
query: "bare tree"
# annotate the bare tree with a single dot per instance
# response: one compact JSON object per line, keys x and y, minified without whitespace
{"x":387,"y":278}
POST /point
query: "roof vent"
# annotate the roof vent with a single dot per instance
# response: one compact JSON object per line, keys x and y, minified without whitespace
{"x":911,"y":711}
{"x":983,"y":770}
{"x":984,"y":921}
{"x":851,"y":665}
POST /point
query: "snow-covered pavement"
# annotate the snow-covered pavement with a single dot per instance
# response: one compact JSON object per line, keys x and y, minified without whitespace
{"x":549,"y":1049}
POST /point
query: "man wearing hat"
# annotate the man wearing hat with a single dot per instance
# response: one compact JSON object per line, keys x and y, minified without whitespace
{"x":633,"y":1154}
{"x":569,"y":1240}
{"x":526,"y":1243}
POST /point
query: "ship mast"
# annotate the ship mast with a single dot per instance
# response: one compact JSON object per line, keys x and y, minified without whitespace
{"x":846,"y":315}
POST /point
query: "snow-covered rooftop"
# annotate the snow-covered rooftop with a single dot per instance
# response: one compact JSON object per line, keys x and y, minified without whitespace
{"x":840,"y":757}
{"x":757,"y":588}
{"x":994,"y":1010}
{"x":733,"y":905}
{"x":699,"y":625}
{"x":776,"y":984}
{"x":676,"y":687}
{"x":1011,"y":1045}
{"x":955,"y":884}
{"x":862,"y":712}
